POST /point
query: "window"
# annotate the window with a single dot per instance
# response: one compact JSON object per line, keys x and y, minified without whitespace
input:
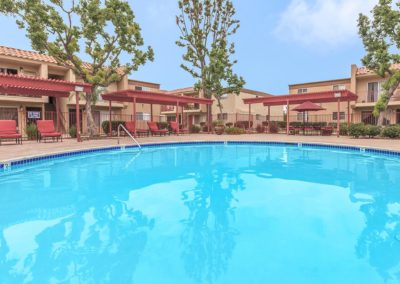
{"x":55,"y":77}
{"x":339,"y":87}
{"x":374,"y":88}
{"x":141,"y":88}
{"x":7,"y":113}
{"x":222,"y":116}
{"x":302,"y":91}
{"x":9,"y":71}
{"x":335,"y":116}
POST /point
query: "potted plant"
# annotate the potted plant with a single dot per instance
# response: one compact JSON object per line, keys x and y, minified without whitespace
{"x":72,"y":131}
{"x":31,"y":131}
{"x":219,"y":127}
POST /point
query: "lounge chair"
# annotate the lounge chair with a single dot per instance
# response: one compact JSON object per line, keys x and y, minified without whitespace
{"x":46,"y":130}
{"x":175,"y":126}
{"x":131,"y":125}
{"x":8,"y":131}
{"x":155,"y":130}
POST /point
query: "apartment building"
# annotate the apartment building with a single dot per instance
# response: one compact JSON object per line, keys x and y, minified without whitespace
{"x":26,"y":109}
{"x":233,"y":108}
{"x":362,"y":82}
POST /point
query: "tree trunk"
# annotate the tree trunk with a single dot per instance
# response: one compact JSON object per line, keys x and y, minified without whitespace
{"x":390,"y":93}
{"x":381,"y":118}
{"x":91,"y":126}
{"x":219,"y":106}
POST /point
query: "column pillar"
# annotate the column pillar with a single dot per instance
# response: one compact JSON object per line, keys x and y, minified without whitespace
{"x":287,"y":118}
{"x":177,"y":116}
{"x":249,"y":116}
{"x":134,"y":115}
{"x":348,"y":113}
{"x":58,"y":113}
{"x":338,"y":119}
{"x":110,"y":118}
{"x":78,"y":118}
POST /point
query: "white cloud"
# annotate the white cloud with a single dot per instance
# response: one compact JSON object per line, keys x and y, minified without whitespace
{"x":322,"y":23}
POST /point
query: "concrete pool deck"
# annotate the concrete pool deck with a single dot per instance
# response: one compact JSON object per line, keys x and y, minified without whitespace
{"x":10,"y":151}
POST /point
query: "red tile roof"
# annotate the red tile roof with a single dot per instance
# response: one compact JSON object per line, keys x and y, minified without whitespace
{"x":25,"y":54}
{"x":32,"y":55}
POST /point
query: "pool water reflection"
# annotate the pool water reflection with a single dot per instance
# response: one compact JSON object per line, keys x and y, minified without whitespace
{"x":203,"y":214}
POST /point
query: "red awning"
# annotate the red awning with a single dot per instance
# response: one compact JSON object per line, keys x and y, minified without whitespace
{"x":37,"y":87}
{"x":146,"y":97}
{"x":308,"y":106}
{"x":316,"y":97}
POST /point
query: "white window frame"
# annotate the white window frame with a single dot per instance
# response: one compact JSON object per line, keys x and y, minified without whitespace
{"x":380,"y":83}
{"x":339,"y":116}
{"x":302,"y":91}
{"x":339,"y":87}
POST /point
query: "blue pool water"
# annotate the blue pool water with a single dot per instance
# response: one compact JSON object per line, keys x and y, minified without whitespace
{"x":203,"y":214}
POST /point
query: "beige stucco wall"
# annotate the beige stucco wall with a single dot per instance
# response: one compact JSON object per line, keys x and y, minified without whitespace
{"x":323,"y":86}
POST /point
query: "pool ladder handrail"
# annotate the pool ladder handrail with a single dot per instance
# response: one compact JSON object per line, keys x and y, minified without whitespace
{"x":127,"y":132}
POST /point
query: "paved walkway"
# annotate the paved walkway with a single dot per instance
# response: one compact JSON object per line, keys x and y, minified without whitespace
{"x":10,"y":151}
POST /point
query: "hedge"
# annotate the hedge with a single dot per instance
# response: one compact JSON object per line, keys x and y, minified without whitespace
{"x":114,"y":125}
{"x":195,"y":129}
{"x":391,"y":131}
{"x":234,"y":131}
{"x":356,"y":130}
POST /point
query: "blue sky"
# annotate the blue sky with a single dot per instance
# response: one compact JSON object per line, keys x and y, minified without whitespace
{"x":279,"y":42}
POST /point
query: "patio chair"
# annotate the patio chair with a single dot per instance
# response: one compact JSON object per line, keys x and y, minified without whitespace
{"x":175,"y":126}
{"x":155,"y":130}
{"x":8,"y":131}
{"x":131,"y":125}
{"x":46,"y":130}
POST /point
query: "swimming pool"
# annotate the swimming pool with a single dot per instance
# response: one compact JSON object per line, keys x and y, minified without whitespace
{"x":203,"y":213}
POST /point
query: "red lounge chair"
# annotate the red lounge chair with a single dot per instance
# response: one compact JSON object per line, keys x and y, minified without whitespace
{"x":8,"y":130}
{"x":131,"y":125}
{"x":46,"y":130}
{"x":155,"y":130}
{"x":174,"y":127}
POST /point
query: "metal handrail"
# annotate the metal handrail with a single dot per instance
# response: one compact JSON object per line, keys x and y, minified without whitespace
{"x":127,"y":132}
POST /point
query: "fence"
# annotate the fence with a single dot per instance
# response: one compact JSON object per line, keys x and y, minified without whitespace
{"x":67,"y":120}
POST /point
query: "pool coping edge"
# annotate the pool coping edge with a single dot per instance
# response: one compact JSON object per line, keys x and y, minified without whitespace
{"x":5,"y":164}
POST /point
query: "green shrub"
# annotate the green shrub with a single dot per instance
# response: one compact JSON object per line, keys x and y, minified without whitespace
{"x":162,"y":125}
{"x":229,"y":124}
{"x":114,"y":125}
{"x":344,"y":129}
{"x":218,"y":123}
{"x":372,"y":130}
{"x":72,"y":131}
{"x":31,"y":131}
{"x":195,"y":129}
{"x":391,"y":131}
{"x":281,"y":124}
{"x":234,"y":131}
{"x":357,"y":130}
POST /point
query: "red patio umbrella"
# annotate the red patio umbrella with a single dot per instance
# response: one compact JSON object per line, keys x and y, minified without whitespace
{"x":306,"y":107}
